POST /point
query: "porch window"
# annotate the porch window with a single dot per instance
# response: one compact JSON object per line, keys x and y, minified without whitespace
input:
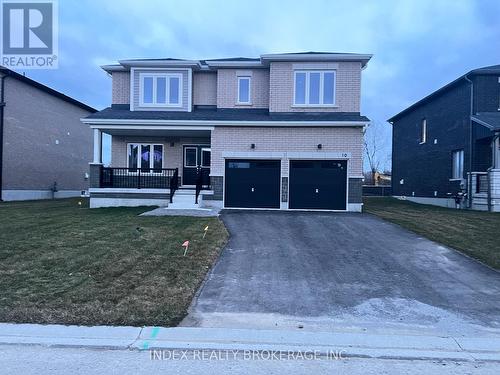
{"x":146,"y":157}
{"x":314,"y":88}
{"x":457,"y":158}
{"x":243,"y":90}
{"x":160,"y":89}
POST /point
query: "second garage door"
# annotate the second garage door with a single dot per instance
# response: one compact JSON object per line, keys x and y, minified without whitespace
{"x":252,"y":183}
{"x":318,"y":184}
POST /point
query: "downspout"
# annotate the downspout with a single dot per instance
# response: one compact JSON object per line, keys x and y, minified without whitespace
{"x":2,"y":106}
{"x":469,"y":182}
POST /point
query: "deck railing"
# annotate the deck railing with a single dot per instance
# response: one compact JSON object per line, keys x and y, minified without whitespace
{"x":202,"y":182}
{"x":136,"y":178}
{"x":174,"y":184}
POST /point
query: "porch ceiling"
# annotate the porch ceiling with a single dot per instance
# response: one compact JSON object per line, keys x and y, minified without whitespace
{"x":158,"y":133}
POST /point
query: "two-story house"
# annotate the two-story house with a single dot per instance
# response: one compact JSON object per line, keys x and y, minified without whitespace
{"x":448,"y":142}
{"x":282,"y":131}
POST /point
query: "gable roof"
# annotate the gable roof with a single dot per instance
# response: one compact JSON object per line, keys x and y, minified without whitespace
{"x":492,"y":69}
{"x":10,"y":73}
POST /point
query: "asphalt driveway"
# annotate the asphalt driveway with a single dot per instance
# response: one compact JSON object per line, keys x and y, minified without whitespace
{"x":342,"y":271}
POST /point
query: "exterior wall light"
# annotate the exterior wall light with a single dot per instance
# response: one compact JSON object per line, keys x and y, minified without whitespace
{"x":320,"y":146}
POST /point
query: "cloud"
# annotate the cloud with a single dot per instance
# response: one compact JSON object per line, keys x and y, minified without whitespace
{"x":418,"y":45}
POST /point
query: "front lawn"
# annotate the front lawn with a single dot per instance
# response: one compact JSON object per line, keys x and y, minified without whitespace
{"x":65,"y":263}
{"x":474,"y":233}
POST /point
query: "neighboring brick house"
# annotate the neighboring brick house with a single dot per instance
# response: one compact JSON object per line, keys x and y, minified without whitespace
{"x":283,"y":131}
{"x":448,"y":142}
{"x":44,"y":148}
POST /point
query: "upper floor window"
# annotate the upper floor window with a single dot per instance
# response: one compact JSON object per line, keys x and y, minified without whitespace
{"x":314,"y":88}
{"x":423,"y":131}
{"x":160,"y":89}
{"x":457,"y":159}
{"x":244,"y":90}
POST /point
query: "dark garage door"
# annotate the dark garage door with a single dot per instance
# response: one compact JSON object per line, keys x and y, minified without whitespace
{"x":252,"y":183}
{"x":318,"y":184}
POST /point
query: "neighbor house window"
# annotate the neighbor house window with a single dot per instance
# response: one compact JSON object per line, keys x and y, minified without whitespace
{"x":314,"y":88}
{"x":243,"y":90}
{"x":423,"y":131}
{"x":146,"y":157}
{"x":160,"y":89}
{"x":457,"y":158}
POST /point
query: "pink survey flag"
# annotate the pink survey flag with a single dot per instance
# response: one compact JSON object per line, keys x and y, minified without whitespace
{"x":186,"y":245}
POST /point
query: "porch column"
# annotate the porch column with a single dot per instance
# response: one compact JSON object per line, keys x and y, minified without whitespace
{"x":97,"y":146}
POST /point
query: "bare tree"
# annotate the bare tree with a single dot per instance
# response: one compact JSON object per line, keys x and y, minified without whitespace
{"x":376,"y":148}
{"x":371,"y":152}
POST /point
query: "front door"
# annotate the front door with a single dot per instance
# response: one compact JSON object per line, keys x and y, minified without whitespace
{"x":196,"y":157}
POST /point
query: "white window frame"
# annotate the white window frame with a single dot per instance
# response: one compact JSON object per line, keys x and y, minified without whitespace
{"x":249,"y":78}
{"x":139,"y":159}
{"x":321,"y":87}
{"x":155,"y":77}
{"x":423,"y":131}
{"x":454,"y":177}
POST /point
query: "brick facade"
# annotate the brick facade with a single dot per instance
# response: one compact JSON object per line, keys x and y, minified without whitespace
{"x":227,"y":88}
{"x":347,"y":90}
{"x":239,"y":139}
{"x":271,"y":87}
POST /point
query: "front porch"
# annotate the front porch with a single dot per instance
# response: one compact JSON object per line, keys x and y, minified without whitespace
{"x":149,"y":166}
{"x":484,"y":186}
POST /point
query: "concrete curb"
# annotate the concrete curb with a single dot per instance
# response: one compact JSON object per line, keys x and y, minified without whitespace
{"x":241,"y":340}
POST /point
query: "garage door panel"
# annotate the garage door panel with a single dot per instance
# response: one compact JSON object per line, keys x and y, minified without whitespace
{"x":318,"y":184}
{"x":252,"y":183}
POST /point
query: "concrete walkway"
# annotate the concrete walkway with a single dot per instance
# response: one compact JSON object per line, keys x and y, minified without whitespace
{"x":241,"y":340}
{"x":198,"y":212}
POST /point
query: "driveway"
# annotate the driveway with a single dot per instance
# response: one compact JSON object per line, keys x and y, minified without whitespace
{"x":343,"y":271}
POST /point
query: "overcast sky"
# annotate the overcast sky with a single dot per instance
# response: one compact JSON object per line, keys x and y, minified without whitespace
{"x":418,"y":46}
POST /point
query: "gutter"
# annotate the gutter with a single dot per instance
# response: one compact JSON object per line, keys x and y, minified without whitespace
{"x":210,"y":124}
{"x":2,"y":106}
{"x":469,"y":188}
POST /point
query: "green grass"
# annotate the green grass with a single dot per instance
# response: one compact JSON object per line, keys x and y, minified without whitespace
{"x":474,"y":233}
{"x":65,"y":263}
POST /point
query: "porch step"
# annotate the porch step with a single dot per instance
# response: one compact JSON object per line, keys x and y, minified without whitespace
{"x":184,"y":191}
{"x":184,"y":200}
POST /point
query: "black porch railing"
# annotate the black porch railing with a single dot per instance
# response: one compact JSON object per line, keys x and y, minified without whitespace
{"x":202,"y":181}
{"x":136,"y":178}
{"x":174,"y":184}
